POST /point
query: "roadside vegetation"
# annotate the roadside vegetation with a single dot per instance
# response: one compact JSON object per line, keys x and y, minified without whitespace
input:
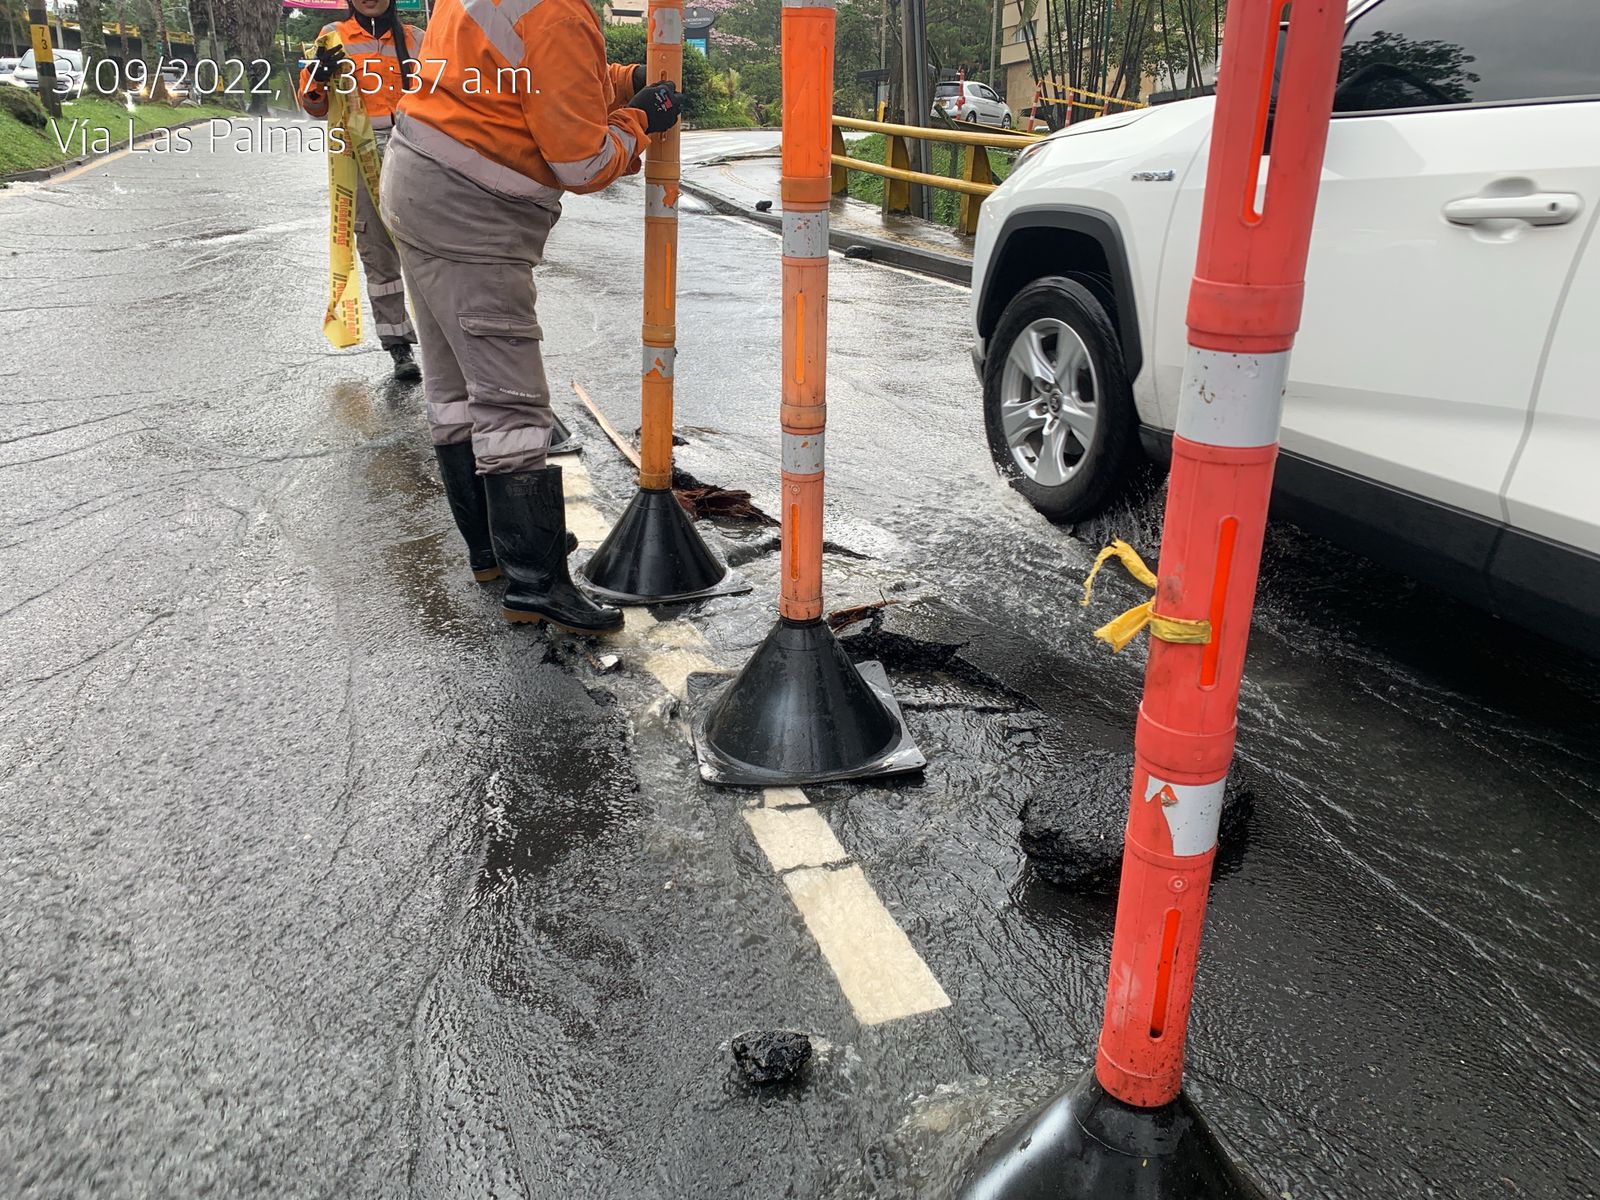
{"x":713,"y":100}
{"x":30,"y":139}
{"x":944,"y":159}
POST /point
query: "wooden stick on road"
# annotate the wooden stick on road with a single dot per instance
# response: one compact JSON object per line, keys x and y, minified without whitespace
{"x":606,"y":427}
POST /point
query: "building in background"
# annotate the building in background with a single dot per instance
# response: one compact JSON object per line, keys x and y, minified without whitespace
{"x":630,"y":12}
{"x":1016,"y":82}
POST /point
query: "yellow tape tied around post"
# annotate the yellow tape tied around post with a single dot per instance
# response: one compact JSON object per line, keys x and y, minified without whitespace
{"x":352,"y":156}
{"x":1121,"y":630}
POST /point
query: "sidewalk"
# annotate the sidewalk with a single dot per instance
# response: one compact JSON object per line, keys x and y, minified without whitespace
{"x":733,"y":171}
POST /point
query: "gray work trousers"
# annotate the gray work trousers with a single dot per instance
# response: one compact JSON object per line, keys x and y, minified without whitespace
{"x":386,"y":291}
{"x":469,"y":255}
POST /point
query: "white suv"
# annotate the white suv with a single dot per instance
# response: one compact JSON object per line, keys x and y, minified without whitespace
{"x":1443,"y":406}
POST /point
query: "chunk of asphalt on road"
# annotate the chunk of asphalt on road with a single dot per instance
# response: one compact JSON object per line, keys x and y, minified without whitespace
{"x":771,"y":1056}
{"x":1072,"y":834}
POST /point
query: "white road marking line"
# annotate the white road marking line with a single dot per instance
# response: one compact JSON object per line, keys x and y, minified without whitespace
{"x":782,"y":797}
{"x":794,"y":837}
{"x":878,"y":969}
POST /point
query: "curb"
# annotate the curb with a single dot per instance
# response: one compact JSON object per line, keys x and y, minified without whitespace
{"x":877,"y":249}
{"x":36,"y":174}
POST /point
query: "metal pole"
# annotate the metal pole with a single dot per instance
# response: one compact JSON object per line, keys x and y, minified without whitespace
{"x":994,"y":46}
{"x":44,"y":57}
{"x":914,"y":44}
{"x":215,"y":38}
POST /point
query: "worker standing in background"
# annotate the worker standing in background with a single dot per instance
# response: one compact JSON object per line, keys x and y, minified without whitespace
{"x":380,"y":57}
{"x":525,"y":108}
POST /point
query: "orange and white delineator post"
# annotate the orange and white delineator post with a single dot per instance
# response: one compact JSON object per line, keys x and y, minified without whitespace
{"x":654,"y":554}
{"x":806,"y":192}
{"x":663,"y":61}
{"x":1127,"y":1128}
{"x":800,"y":711}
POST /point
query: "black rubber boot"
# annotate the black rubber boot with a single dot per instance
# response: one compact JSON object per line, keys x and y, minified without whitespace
{"x":405,"y":366}
{"x":463,"y":487}
{"x":528,"y":517}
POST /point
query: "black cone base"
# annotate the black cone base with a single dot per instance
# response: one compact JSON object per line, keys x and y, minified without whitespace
{"x":802,"y":712}
{"x":1087,"y":1145}
{"x":654,"y":554}
{"x":561,"y":439}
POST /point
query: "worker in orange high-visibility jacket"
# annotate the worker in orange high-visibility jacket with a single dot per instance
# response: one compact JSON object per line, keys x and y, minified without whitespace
{"x":524,"y":108}
{"x":379,"y":60}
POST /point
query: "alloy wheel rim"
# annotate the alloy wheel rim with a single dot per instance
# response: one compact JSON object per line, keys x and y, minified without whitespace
{"x":1049,"y":402}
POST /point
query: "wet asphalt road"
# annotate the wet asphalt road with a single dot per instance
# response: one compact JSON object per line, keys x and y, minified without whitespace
{"x":322,"y":881}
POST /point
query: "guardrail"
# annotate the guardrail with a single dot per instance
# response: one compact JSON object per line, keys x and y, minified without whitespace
{"x":974,"y":183}
{"x":1049,"y":94}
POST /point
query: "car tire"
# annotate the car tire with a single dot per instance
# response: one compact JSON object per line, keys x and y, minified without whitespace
{"x":1005,"y":122}
{"x":972,"y":118}
{"x":1065,"y":480}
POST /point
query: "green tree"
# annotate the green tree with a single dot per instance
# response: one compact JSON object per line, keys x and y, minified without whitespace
{"x":958,"y":34}
{"x":16,"y":18}
{"x":1182,"y":42}
{"x":250,"y":29}
{"x":91,"y":27}
{"x":628,"y":44}
{"x":855,"y":49}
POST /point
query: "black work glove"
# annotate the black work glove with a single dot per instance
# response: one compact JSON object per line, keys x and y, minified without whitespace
{"x":327,"y":63}
{"x":660,"y":105}
{"x":638,"y":78}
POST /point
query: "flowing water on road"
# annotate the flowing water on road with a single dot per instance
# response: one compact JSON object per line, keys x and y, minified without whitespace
{"x":324,"y":881}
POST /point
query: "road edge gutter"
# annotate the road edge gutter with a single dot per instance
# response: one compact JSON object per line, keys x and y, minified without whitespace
{"x":882,"y":250}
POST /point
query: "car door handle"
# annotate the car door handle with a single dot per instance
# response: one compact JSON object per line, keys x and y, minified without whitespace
{"x":1535,"y":208}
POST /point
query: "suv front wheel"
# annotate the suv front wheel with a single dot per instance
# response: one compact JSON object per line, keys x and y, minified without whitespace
{"x":1057,"y":406}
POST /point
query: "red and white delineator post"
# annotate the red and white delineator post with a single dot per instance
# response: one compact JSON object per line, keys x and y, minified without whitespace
{"x":1244,"y":309}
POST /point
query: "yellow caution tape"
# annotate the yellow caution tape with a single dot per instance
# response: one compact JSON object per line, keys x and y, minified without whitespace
{"x":352,"y":156}
{"x":1119,"y":631}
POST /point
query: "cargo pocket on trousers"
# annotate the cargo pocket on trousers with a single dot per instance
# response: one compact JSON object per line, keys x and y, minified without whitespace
{"x":500,"y":325}
{"x":503,"y":360}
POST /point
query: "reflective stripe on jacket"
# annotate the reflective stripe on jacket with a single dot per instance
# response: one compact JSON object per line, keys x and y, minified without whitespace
{"x":374,"y":68}
{"x":518,"y":97}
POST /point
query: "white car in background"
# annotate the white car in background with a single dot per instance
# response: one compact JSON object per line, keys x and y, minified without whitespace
{"x":8,"y":67}
{"x":1442,"y":414}
{"x":69,"y":73}
{"x":975,"y":103}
